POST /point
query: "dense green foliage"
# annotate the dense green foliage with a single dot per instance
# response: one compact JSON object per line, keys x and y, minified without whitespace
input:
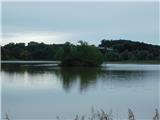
{"x":81,"y":55}
{"x":125,"y":50}
{"x":33,"y":51}
{"x":69,"y":54}
{"x":112,"y":50}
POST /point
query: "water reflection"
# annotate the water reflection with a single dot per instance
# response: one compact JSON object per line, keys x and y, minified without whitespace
{"x":85,"y":78}
{"x":45,"y":91}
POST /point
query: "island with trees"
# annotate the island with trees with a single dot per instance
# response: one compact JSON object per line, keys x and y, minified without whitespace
{"x":82,"y":54}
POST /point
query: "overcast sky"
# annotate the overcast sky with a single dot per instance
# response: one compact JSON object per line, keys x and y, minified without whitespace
{"x":57,"y":22}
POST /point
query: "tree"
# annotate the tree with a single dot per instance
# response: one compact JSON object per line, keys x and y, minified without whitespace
{"x":81,"y":55}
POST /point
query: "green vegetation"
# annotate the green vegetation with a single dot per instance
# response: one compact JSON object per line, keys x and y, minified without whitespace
{"x":125,"y":50}
{"x":33,"y":51}
{"x":84,"y":54}
{"x":81,"y":55}
{"x":69,"y":54}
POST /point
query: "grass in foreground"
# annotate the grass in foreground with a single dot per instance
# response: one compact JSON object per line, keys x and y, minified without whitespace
{"x":102,"y":115}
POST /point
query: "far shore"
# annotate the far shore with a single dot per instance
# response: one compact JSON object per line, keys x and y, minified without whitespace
{"x":30,"y":61}
{"x":133,"y":62}
{"x":58,"y":62}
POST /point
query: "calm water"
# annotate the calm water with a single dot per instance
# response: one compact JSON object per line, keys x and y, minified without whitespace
{"x":44,"y":91}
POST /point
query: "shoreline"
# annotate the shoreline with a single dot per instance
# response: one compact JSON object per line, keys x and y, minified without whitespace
{"x":58,"y":62}
{"x":132,"y":62}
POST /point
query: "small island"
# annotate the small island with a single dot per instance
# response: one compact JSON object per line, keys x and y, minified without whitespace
{"x":80,"y":55}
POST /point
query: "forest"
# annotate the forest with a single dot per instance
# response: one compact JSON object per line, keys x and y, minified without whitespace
{"x":127,"y":50}
{"x":109,"y":50}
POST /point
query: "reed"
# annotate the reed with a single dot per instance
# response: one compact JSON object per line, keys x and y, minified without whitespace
{"x":7,"y":117}
{"x":130,"y":115}
{"x":101,"y":115}
{"x":156,"y":116}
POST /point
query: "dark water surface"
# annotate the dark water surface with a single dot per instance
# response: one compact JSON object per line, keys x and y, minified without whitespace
{"x":44,"y":91}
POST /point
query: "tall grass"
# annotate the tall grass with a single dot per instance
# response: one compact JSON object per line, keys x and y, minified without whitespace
{"x":156,"y":116}
{"x":7,"y":117}
{"x":102,"y":115}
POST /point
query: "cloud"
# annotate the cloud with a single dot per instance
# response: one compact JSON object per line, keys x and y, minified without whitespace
{"x":88,"y":21}
{"x":41,"y":36}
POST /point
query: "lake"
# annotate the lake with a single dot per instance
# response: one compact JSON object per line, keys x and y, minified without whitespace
{"x":43,"y":91}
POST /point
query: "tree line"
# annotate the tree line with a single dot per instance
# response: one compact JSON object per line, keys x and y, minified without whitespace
{"x":126,"y":50}
{"x":111,"y":50}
